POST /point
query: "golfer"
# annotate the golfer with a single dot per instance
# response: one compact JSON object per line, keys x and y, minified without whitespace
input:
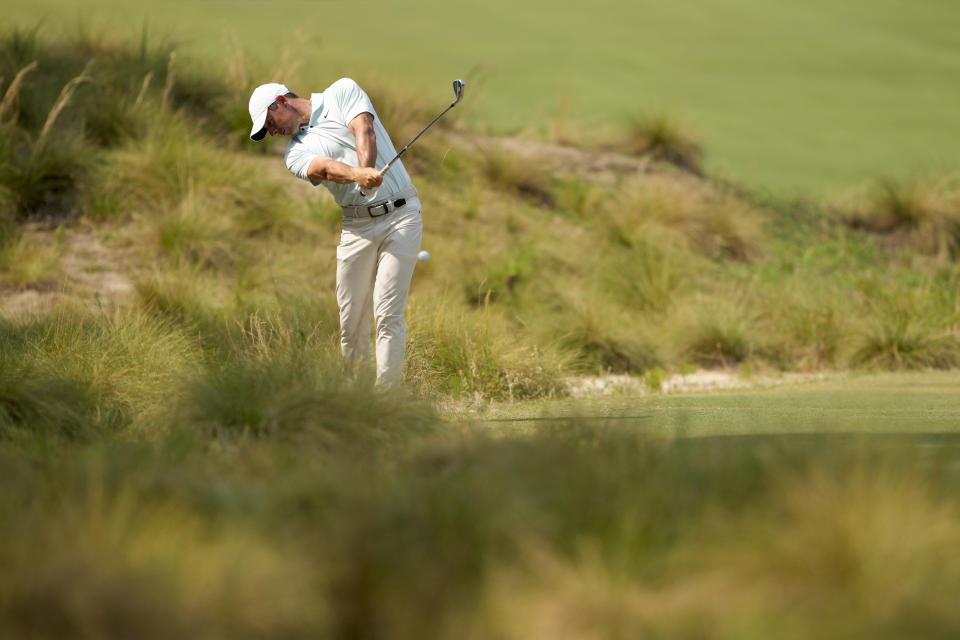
{"x":337,"y":140}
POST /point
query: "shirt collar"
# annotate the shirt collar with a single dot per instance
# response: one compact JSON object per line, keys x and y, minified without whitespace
{"x":316,"y":100}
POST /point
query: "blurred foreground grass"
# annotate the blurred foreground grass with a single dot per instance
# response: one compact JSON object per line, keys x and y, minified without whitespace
{"x":569,"y":528}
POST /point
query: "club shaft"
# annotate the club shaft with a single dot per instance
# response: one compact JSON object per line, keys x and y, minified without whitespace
{"x":402,"y":151}
{"x":458,"y":90}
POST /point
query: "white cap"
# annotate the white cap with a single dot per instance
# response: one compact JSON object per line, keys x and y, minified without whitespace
{"x":261,"y":99}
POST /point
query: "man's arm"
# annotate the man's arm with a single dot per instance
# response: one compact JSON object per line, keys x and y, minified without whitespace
{"x":362,"y":128}
{"x":365,"y":175}
{"x":329,"y":169}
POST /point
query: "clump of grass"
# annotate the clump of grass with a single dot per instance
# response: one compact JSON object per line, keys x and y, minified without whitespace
{"x":908,"y":322}
{"x":576,"y":198}
{"x":184,"y":294}
{"x":45,"y":179}
{"x":501,"y":278}
{"x":646,"y":276}
{"x":27,"y":263}
{"x":661,"y":138}
{"x":801,"y":323}
{"x":598,"y":340}
{"x":173,"y":162}
{"x":711,"y":222}
{"x":918,"y":214}
{"x":453,"y":351}
{"x":193,"y":234}
{"x":37,"y":402}
{"x":38,"y":177}
{"x":282,"y":382}
{"x":509,"y":172}
{"x":192,"y":205}
{"x":159,"y":170}
{"x":473,"y":500}
{"x":718,"y":333}
{"x":72,"y":375}
{"x":900,"y":339}
{"x":66,"y":94}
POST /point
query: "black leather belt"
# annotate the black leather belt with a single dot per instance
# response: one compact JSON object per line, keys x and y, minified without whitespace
{"x":384,"y":208}
{"x":380,"y":208}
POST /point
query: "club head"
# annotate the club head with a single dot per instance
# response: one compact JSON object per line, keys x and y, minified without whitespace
{"x":458,"y":89}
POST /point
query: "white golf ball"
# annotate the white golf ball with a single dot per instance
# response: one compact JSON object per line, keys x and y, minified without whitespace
{"x":423,"y":256}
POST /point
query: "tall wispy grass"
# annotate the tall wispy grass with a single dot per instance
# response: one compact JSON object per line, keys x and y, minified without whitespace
{"x":717,"y":331}
{"x":710,"y":221}
{"x":898,"y":338}
{"x":662,"y":138}
{"x":804,"y":325}
{"x":920,"y":214}
{"x":27,"y":261}
{"x":70,"y":375}
{"x":66,"y":102}
{"x":37,"y":176}
{"x":282,"y":381}
{"x":592,"y":332}
{"x":518,"y":175}
{"x":647,"y":276}
{"x":459,"y":352}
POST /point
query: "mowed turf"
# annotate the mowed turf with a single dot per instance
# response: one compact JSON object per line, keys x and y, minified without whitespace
{"x":799,"y":97}
{"x":909,"y":404}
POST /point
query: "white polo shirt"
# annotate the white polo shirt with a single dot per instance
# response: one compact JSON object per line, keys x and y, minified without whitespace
{"x":327,"y":135}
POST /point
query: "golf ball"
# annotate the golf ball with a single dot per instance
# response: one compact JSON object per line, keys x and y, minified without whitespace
{"x":423,"y":256}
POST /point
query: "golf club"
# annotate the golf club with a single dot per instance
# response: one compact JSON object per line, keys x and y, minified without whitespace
{"x":458,"y":92}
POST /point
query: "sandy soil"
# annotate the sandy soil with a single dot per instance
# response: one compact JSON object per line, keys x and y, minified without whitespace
{"x":698,"y":381}
{"x":89,"y":273}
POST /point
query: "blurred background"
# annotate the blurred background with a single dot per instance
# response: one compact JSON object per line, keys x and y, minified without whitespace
{"x":799,"y":97}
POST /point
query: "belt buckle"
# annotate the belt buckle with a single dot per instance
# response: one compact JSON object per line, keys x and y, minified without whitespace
{"x":386,"y":209}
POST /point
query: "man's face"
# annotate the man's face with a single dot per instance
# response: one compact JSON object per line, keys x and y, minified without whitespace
{"x":282,"y":119}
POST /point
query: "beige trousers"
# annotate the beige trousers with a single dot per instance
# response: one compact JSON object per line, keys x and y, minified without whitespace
{"x":375,"y":262}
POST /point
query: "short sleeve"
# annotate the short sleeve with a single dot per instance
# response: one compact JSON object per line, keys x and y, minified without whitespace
{"x":298,"y":160}
{"x":351,"y":100}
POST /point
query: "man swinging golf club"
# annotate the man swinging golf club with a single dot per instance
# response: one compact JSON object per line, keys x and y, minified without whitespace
{"x":337,"y":140}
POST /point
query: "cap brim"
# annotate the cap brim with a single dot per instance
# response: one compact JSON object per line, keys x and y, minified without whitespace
{"x":258,"y":130}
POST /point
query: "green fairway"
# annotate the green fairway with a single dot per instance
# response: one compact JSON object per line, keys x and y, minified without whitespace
{"x":809,"y":97}
{"x":916,"y":403}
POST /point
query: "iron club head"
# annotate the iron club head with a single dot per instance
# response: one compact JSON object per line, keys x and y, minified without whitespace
{"x":458,"y":89}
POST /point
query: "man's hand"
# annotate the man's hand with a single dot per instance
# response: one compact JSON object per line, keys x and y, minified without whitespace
{"x":367,"y":177}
